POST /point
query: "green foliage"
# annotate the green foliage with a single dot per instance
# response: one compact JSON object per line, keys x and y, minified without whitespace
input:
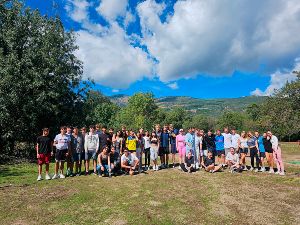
{"x":232,"y":120}
{"x":176,"y":116}
{"x":201,"y":121}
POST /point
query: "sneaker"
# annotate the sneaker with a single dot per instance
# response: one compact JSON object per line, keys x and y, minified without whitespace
{"x":62,"y":176}
{"x":47,"y":177}
{"x":173,"y":165}
{"x":154,"y":168}
{"x":251,"y":169}
{"x":39,"y":178}
{"x":277,"y":172}
{"x":109,"y":175}
{"x":282,"y":174}
{"x":263,"y":169}
{"x":86,"y":173}
{"x":271,"y":170}
{"x":71,"y":174}
{"x":245,"y":168}
{"x":68,"y":172}
{"x":55,"y":177}
{"x":256,"y":170}
{"x":95,"y":173}
{"x":77,"y":174}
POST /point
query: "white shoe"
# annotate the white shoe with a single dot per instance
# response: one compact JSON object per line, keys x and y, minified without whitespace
{"x":271,"y":171}
{"x":282,"y":174}
{"x":47,"y":177}
{"x":251,"y":168}
{"x":39,"y":178}
{"x":245,"y":168}
{"x":256,"y":170}
{"x":263,"y":169}
{"x":277,"y":172}
{"x":62,"y":176}
{"x":156,"y":167}
{"x":55,"y":177}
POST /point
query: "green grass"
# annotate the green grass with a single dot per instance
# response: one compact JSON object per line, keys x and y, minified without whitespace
{"x":163,"y":197}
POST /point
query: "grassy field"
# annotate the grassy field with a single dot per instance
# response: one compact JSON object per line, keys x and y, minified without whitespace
{"x":164,"y":197}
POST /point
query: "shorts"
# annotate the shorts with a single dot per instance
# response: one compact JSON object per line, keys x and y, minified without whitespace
{"x":173,"y":148}
{"x":153,"y":153}
{"x":220,"y":152}
{"x":166,"y":150}
{"x":269,"y":150}
{"x":90,"y":154}
{"x":76,"y":157}
{"x":132,"y":151}
{"x":44,"y":158}
{"x":60,"y":155}
{"x":161,"y":151}
{"x":244,"y":150}
{"x":82,"y":157}
{"x":262,"y":155}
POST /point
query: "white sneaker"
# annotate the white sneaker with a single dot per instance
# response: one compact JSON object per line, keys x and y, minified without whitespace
{"x":263,"y":169}
{"x":256,"y":170}
{"x":55,"y":176}
{"x":62,"y":176}
{"x":277,"y":172}
{"x":251,"y":168}
{"x":39,"y":178}
{"x":47,"y":177}
{"x":271,"y":171}
{"x":282,"y":174}
{"x":156,"y":168}
{"x":245,"y":168}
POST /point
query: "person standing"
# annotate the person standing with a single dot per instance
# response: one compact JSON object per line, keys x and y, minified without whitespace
{"x":83,"y":133}
{"x":77,"y":150}
{"x":277,"y":153}
{"x":118,"y":142}
{"x":234,"y":140}
{"x":154,"y":150}
{"x":253,"y":146}
{"x":209,"y":140}
{"x":227,"y":140}
{"x":262,"y":152}
{"x":104,"y":139}
{"x":62,"y":143}
{"x":243,"y":149}
{"x":164,"y":147}
{"x":44,"y":150}
{"x":173,"y":132}
{"x":198,"y":150}
{"x":131,"y":142}
{"x":269,"y":152}
{"x":70,"y":160}
{"x":91,"y":145}
{"x":147,"y":146}
{"x":219,"y":142}
{"x":180,"y":145}
{"x":189,"y":141}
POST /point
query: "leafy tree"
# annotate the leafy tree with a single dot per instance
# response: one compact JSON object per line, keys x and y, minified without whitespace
{"x":231,"y":120}
{"x":39,"y":72}
{"x":177,"y":116}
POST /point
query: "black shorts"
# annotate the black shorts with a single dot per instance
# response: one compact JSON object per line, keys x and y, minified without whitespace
{"x":163,"y":150}
{"x":220,"y":152}
{"x":244,"y":150}
{"x":173,"y":148}
{"x":262,"y":155}
{"x":60,"y":155}
{"x":269,"y":150}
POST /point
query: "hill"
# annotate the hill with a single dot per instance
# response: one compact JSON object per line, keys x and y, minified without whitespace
{"x":212,"y":107}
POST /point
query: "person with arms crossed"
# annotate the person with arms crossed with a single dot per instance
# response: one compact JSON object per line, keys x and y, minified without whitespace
{"x":91,"y":145}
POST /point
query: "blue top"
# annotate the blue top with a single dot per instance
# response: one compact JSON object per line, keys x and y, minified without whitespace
{"x":164,"y":139}
{"x":219,"y":140}
{"x":251,"y":141}
{"x":173,"y":139}
{"x":190,"y":140}
{"x":261,"y":144}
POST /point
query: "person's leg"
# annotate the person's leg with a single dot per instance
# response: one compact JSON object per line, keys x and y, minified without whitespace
{"x":62,"y":163}
{"x":257,"y":160}
{"x":223,"y":159}
{"x":217,"y":168}
{"x":252,"y":154}
{"x":56,"y":167}
{"x":40,"y":169}
{"x":280,"y":161}
{"x":210,"y":168}
{"x":167,"y":159}
{"x":87,"y":166}
{"x":47,"y":169}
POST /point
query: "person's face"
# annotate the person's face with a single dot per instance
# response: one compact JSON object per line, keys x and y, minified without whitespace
{"x":123,"y":129}
{"x":118,"y":133}
{"x":153,"y":134}
{"x":105,"y":150}
{"x":232,"y":151}
{"x":63,"y":130}
{"x":131,"y":133}
{"x":209,"y":155}
{"x":141,"y":131}
{"x":157,"y":127}
{"x":233,"y":132}
{"x":75,"y":131}
{"x":113,"y":149}
{"x":69,"y":130}
{"x":218,"y":132}
{"x":97,"y":128}
{"x":165,"y":128}
{"x":103,"y":129}
{"x":83,"y":131}
{"x":126,"y":153}
{"x":181,"y":132}
{"x":264,"y":135}
{"x":189,"y":155}
{"x":269,"y":133}
{"x":190,"y":130}
{"x":45,"y":132}
{"x":250,"y":135}
{"x":92,"y":130}
{"x":111,"y":131}
{"x":146,"y":133}
{"x":256,"y":134}
{"x":209,"y":133}
{"x":243,"y":134}
{"x":171,"y":127}
{"x":225,"y":130}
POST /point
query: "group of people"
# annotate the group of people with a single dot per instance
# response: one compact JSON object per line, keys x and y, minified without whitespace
{"x":121,"y":152}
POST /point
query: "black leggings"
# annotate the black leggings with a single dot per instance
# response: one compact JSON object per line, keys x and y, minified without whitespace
{"x":147,"y":156}
{"x":254,"y":154}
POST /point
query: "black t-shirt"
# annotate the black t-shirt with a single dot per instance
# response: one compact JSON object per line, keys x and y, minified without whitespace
{"x":104,"y":159}
{"x":189,"y":161}
{"x":208,"y":161}
{"x":115,"y":157}
{"x":103,"y":142}
{"x":44,"y":143}
{"x":267,"y":144}
{"x":209,"y":141}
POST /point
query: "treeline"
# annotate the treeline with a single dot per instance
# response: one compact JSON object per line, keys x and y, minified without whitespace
{"x":41,"y":85}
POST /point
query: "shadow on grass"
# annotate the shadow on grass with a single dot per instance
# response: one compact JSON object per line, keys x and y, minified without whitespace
{"x":5,"y":171}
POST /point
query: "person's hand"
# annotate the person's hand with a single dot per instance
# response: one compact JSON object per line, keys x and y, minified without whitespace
{"x":52,"y":153}
{"x":67,"y":154}
{"x":109,"y":170}
{"x":102,"y":168}
{"x":37,"y":155}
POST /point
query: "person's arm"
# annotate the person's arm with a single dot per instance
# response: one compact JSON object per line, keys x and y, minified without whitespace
{"x":176,"y":142}
{"x":99,"y":160}
{"x":37,"y":149}
{"x":239,"y":143}
{"x":108,"y":159}
{"x":97,"y":143}
{"x":85,"y":143}
{"x":256,"y":145}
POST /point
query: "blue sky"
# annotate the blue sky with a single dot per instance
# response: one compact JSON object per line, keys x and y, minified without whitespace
{"x":203,"y":49}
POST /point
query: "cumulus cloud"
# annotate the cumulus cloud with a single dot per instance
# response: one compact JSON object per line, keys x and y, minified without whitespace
{"x":278,"y":80}
{"x":111,"y":9}
{"x":217,"y":37}
{"x":173,"y":85}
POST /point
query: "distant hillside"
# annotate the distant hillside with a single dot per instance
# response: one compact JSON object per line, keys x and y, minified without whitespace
{"x":213,"y":107}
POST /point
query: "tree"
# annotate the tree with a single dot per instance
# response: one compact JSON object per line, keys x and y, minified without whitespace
{"x":232,"y":120}
{"x":39,"y":72}
{"x":177,"y":116}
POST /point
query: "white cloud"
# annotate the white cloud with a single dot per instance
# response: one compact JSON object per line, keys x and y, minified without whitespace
{"x":111,"y":60}
{"x":111,"y":9}
{"x":77,"y":9}
{"x":278,"y":80}
{"x":173,"y":85}
{"x":217,"y":37}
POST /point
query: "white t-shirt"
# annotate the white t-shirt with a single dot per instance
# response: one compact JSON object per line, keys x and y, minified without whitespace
{"x":227,"y":140}
{"x":198,"y":141}
{"x":234,"y":158}
{"x":62,"y":141}
{"x":234,"y":140}
{"x":147,"y":143}
{"x":274,"y":141}
{"x":130,"y":158}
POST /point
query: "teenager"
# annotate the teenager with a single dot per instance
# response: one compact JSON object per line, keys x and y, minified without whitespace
{"x":118,"y":142}
{"x":78,"y":148}
{"x":209,"y":140}
{"x":269,"y":152}
{"x":104,"y":163}
{"x":139,"y":147}
{"x":189,"y":165}
{"x":98,"y":129}
{"x":204,"y":146}
{"x":154,"y":150}
{"x":227,"y":140}
{"x":164,"y":147}
{"x":110,"y":137}
{"x":104,"y":140}
{"x":91,"y":145}
{"x":262,"y":152}
{"x":234,"y":140}
{"x":209,"y":165}
{"x":243,"y":149}
{"x":198,"y":150}
{"x":254,"y":152}
{"x":124,"y":138}
{"x":83,"y":133}
{"x":219,"y":142}
{"x":189,"y":141}
{"x":277,"y":153}
{"x":63,"y":149}
{"x":131,"y":142}
{"x":173,"y":132}
{"x":146,"y":149}
{"x":180,"y":145}
{"x":115,"y":161}
{"x":43,"y":153}
{"x":232,"y":160}
{"x":70,"y":160}
{"x":129,"y":162}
